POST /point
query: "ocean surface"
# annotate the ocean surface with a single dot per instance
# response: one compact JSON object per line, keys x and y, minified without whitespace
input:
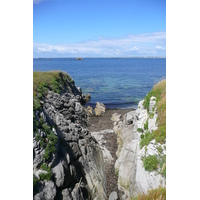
{"x":116,"y":82}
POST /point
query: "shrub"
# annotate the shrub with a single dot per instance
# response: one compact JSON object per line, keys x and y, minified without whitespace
{"x":45,"y":167}
{"x":151,"y":163}
{"x":45,"y":176}
{"x":146,"y":140}
{"x":140,"y":130}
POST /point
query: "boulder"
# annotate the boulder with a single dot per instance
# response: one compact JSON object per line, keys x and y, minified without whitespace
{"x":87,"y":98}
{"x":99,"y":109}
{"x":89,"y":111}
{"x":59,"y":174}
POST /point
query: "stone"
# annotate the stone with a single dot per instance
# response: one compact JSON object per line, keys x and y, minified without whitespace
{"x":90,"y":111}
{"x":152,"y":103}
{"x":48,"y":192}
{"x":59,"y":174}
{"x":115,"y":117}
{"x":99,"y":109}
{"x":113,"y":196}
{"x":66,"y":194}
{"x":87,"y":98}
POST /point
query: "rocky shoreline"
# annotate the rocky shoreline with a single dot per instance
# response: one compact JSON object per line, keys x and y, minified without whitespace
{"x":80,"y":153}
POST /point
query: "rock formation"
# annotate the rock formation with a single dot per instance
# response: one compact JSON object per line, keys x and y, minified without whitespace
{"x":132,"y":176}
{"x":99,"y":109}
{"x":67,"y":160}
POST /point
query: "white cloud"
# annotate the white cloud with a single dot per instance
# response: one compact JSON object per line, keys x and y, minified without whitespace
{"x":152,"y":44}
{"x":158,"y":47}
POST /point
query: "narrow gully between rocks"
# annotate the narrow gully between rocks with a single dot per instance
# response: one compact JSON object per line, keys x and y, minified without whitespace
{"x":99,"y":123}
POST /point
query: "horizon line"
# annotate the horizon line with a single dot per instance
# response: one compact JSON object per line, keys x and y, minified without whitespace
{"x":102,"y":57}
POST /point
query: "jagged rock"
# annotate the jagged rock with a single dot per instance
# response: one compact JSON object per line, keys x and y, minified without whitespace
{"x":113,"y":196}
{"x":99,"y":109}
{"x":90,"y":111}
{"x":88,"y":97}
{"x":59,"y":174}
{"x":77,"y":153}
{"x":48,"y":192}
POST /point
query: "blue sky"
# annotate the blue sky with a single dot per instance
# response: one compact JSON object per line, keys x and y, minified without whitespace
{"x":99,"y":28}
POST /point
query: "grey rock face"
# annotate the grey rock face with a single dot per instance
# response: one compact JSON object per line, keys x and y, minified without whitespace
{"x":59,"y":174}
{"x":78,"y":158}
{"x":66,"y":194}
{"x":48,"y":192}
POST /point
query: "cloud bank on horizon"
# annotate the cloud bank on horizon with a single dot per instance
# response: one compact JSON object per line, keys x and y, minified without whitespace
{"x":149,"y":44}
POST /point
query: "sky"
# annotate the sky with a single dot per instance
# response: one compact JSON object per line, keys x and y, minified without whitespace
{"x":99,"y":28}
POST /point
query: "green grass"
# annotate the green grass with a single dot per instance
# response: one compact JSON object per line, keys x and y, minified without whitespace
{"x":53,"y":80}
{"x":157,"y":92}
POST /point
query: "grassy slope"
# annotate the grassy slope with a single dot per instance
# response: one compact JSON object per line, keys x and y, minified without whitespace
{"x":53,"y":80}
{"x":159,"y":91}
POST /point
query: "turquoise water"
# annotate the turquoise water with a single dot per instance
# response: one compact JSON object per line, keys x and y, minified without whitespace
{"x":116,"y":82}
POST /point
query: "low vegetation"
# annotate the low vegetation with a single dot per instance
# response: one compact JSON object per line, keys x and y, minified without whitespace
{"x":146,"y":139}
{"x":56,"y":81}
{"x":151,"y":163}
{"x":156,"y":162}
{"x":158,"y":91}
{"x":154,"y":194}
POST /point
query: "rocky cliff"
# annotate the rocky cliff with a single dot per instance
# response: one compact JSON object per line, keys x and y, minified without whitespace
{"x":141,"y":163}
{"x":67,"y":160}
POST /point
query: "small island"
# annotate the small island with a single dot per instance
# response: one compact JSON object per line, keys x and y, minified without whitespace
{"x":79,"y":58}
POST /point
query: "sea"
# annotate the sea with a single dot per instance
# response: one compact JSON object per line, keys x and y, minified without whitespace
{"x":119,"y":83}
